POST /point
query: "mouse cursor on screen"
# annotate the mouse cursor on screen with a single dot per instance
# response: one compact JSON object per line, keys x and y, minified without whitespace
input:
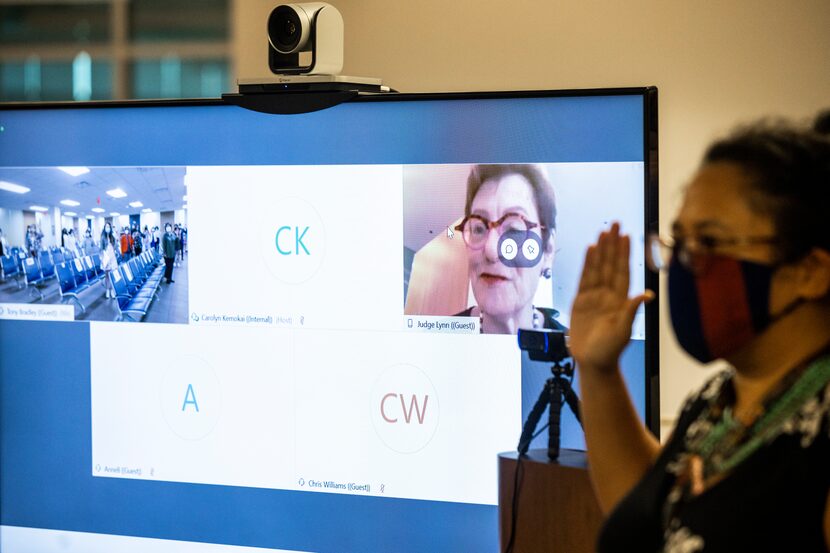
{"x":450,"y":233}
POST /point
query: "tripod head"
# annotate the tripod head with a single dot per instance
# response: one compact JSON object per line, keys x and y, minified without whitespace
{"x":562,"y":370}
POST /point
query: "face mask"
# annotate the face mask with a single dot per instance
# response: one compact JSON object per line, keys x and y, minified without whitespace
{"x":721,"y":308}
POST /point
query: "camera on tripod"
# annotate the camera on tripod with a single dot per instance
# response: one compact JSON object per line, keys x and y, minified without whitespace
{"x":551,"y":346}
{"x":544,"y":344}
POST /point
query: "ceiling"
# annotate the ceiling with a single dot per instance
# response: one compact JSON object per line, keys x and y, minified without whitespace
{"x":158,"y":188}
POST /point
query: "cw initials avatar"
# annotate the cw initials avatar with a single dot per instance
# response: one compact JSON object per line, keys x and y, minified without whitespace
{"x":405,"y":408}
{"x":387,"y":412}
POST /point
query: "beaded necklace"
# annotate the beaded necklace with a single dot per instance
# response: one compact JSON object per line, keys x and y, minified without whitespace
{"x":717,"y":442}
{"x":538,"y":319}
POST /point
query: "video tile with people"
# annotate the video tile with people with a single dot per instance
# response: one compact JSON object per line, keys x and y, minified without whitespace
{"x":94,"y":244}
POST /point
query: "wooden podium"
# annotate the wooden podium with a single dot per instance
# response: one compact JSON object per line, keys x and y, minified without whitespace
{"x":557,"y":509}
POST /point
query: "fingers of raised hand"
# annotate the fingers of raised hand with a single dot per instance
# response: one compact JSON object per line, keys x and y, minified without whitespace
{"x":634,"y":304}
{"x":590,"y":271}
{"x":609,"y":245}
{"x":606,"y":262}
{"x":620,"y":281}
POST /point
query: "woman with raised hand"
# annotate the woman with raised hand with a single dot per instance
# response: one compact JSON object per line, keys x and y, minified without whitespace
{"x":747,"y":467}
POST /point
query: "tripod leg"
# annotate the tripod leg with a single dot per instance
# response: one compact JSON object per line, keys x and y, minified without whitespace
{"x":554,"y":414}
{"x":573,"y":401}
{"x":533,"y":419}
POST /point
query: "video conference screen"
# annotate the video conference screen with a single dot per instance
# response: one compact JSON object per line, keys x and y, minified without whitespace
{"x":223,"y":330}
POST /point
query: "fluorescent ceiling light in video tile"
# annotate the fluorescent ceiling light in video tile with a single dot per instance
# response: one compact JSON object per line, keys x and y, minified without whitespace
{"x":75,"y":171}
{"x":70,"y":213}
{"x":12,"y":187}
{"x":136,"y":204}
{"x":98,"y":210}
{"x":117,"y":193}
{"x":38,"y":208}
{"x":71,"y":203}
{"x":115,"y":214}
{"x":146,"y":210}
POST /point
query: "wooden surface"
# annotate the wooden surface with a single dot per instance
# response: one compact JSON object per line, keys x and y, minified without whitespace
{"x":557,"y":509}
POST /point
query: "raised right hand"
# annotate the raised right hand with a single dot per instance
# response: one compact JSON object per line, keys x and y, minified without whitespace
{"x":602,"y":312}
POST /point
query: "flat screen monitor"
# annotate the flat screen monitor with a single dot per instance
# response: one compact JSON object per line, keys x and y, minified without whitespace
{"x":222,"y":329}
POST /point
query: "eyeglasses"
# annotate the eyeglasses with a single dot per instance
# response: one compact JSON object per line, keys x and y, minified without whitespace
{"x":475,"y":229}
{"x":659,"y":250}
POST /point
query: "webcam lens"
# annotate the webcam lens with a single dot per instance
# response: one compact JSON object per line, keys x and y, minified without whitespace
{"x":284,"y":29}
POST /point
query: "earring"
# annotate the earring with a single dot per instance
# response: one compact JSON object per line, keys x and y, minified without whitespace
{"x":547,"y":273}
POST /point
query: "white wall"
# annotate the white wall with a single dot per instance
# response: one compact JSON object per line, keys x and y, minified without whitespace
{"x":150,"y":220}
{"x":715,"y":63}
{"x":49,"y":224}
{"x":166,"y":217}
{"x":98,"y":227}
{"x":69,"y":222}
{"x":14,"y":229}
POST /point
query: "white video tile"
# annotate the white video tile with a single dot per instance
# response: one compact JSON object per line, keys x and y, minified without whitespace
{"x":296,"y":246}
{"x":192,"y":404}
{"x":413,"y":415}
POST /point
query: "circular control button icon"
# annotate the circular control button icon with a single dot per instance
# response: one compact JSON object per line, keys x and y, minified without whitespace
{"x":530,"y":249}
{"x":520,"y":248}
{"x":509,"y":249}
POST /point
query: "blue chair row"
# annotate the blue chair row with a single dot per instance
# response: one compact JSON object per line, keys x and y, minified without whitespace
{"x":136,"y":284}
{"x":146,"y":269}
{"x":10,"y":268}
{"x":19,"y":254}
{"x":77,"y":276}
{"x":38,"y":272}
{"x":60,"y":255}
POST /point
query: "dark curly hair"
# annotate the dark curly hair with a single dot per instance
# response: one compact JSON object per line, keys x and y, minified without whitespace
{"x":789,"y":170}
{"x":822,"y":123}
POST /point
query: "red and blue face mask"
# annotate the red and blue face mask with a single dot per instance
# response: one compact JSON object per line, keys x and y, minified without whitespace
{"x":718,"y":304}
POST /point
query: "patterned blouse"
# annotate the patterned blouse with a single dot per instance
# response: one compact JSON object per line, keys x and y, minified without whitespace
{"x":774,"y":500}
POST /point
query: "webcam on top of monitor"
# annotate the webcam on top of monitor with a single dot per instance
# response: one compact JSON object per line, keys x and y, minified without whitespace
{"x":315,"y":28}
{"x":305,"y":54}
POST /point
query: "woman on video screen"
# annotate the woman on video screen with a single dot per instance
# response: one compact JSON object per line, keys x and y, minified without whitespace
{"x":508,"y":228}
